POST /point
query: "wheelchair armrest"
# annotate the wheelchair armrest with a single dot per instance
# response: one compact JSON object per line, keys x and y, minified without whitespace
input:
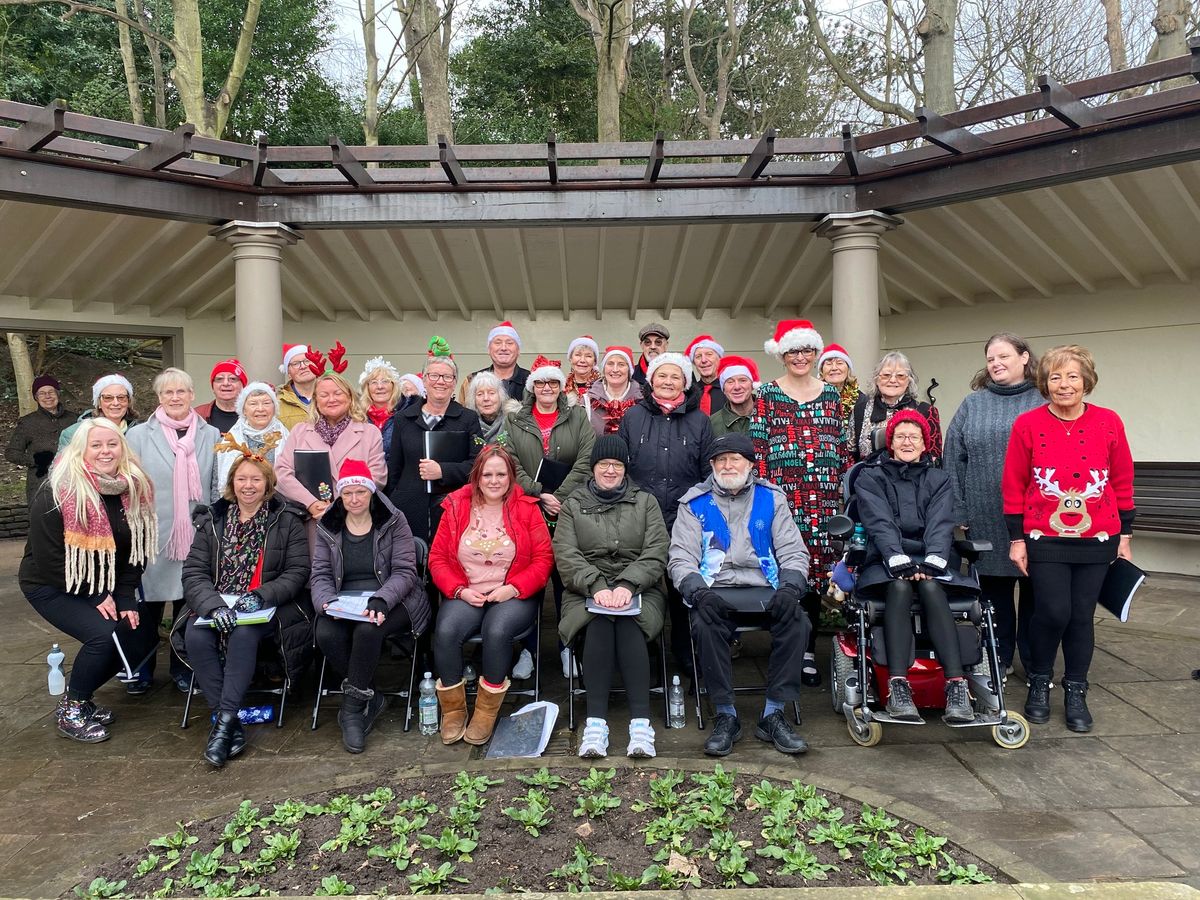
{"x":839,"y":527}
{"x":970,"y":550}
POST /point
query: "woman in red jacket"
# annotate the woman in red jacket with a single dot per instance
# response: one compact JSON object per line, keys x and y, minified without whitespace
{"x":491,"y":559}
{"x":1068,"y":501}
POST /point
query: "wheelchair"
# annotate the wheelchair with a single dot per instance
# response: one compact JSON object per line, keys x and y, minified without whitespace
{"x":859,"y":670}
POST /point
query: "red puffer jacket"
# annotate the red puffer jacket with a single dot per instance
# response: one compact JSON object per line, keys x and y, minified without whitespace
{"x":530,"y":569}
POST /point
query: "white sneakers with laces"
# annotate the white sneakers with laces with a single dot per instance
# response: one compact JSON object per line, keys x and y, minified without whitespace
{"x":524,"y":667}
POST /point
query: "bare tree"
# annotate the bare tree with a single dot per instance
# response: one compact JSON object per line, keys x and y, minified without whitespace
{"x":725,"y":44}
{"x":936,"y":31}
{"x":611,"y":25}
{"x":22,"y":372}
{"x":427,"y":32}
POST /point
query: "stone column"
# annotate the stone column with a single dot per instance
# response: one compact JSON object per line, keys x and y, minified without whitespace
{"x":258,"y":298}
{"x":855,"y":238}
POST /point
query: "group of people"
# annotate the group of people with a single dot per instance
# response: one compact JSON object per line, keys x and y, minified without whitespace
{"x":671,"y":490}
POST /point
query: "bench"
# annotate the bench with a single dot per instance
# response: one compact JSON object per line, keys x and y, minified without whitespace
{"x":1167,"y":495}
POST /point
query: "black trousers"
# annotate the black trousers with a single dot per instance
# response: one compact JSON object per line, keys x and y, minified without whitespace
{"x":788,"y":640}
{"x":153,"y":613}
{"x":1063,"y":614}
{"x":616,"y":642}
{"x":1012,"y":605}
{"x":681,"y":647}
{"x":224,"y":686}
{"x":354,"y":648}
{"x":97,"y":660}
{"x":498,"y":623}
{"x":939,"y":624}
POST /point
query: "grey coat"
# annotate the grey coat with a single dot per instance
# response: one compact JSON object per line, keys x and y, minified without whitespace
{"x":740,"y":567}
{"x":163,"y":579}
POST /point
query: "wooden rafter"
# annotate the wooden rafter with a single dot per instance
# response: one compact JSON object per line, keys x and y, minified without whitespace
{"x":489,"y":276}
{"x":724,"y":242}
{"x":1019,"y":223}
{"x":984,"y":244}
{"x":761,"y":255}
{"x":354,"y":244}
{"x":523,"y":265}
{"x":1146,"y":231}
{"x":643,"y":239}
{"x":407,"y":266}
{"x":681,"y":252}
{"x":1081,"y":227}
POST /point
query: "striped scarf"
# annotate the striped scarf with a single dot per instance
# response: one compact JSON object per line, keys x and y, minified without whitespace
{"x":91,"y":548}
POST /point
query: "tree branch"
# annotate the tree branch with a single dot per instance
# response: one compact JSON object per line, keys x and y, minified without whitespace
{"x":73,"y":7}
{"x":241,"y":59}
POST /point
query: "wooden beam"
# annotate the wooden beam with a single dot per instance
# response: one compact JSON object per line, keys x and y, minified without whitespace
{"x":1147,"y":232}
{"x":147,"y":251}
{"x":201,"y":284}
{"x":454,"y":172}
{"x":951,"y":138}
{"x":441,"y":253}
{"x":858,"y":163}
{"x":955,"y":259}
{"x":714,"y":268}
{"x":523,"y":264}
{"x":908,"y":289}
{"x":561,"y":236}
{"x":485,"y":262}
{"x":1065,"y":106}
{"x":818,"y":290}
{"x":885,"y":303}
{"x":354,"y":243}
{"x":73,"y":261}
{"x":760,"y":256}
{"x":39,"y":129}
{"x":256,"y":171}
{"x":1036,"y":240}
{"x":168,"y":299}
{"x":404,"y":261}
{"x":655,"y":162}
{"x":17,"y":269}
{"x":301,"y":287}
{"x":801,"y":258}
{"x":216,"y":300}
{"x":931,"y":273}
{"x":552,"y":158}
{"x":918,"y":295}
{"x":760,"y":157}
{"x":347,"y":163}
{"x":981,"y":243}
{"x":638,"y":268}
{"x":600,"y":275}
{"x":339,"y":281}
{"x":681,"y":250}
{"x":1065,"y":210}
{"x":1180,"y":188}
{"x":165,"y":151}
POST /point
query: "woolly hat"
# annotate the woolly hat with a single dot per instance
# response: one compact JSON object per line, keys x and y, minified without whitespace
{"x":232,"y":366}
{"x":671,"y":359}
{"x":703,"y":342}
{"x":609,"y":446}
{"x":254,"y":387}
{"x":416,"y":381}
{"x":504,"y":329}
{"x":113,"y":380}
{"x":907,"y":415}
{"x":794,"y":334}
{"x":834,"y":351}
{"x":545,"y":370}
{"x":732,"y":442}
{"x":585,"y":341}
{"x":45,"y":381}
{"x":617,"y":350}
{"x":354,"y":473}
{"x":732,"y":366}
{"x":378,"y":362}
{"x":290,"y":352}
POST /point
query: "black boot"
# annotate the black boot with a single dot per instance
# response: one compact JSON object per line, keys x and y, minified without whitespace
{"x":1075,"y":702}
{"x":238,"y":742}
{"x":1037,"y":704}
{"x":220,"y":739}
{"x":352,"y":716}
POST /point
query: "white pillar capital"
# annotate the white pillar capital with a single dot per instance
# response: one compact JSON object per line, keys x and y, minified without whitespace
{"x":868,"y":223}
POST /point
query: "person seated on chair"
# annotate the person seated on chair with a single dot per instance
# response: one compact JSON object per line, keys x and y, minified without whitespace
{"x":249,"y":544}
{"x":610,"y":544}
{"x":491,"y":559}
{"x":906,"y":506}
{"x":364,"y":545}
{"x":735,"y":530}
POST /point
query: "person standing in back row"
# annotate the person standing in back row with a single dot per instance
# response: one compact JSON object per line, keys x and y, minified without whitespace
{"x":227,"y":380}
{"x":705,"y":354}
{"x":504,"y":350}
{"x":35,"y":438}
{"x":654,"y":339}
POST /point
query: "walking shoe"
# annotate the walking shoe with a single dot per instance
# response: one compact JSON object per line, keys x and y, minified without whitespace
{"x":524,"y":667}
{"x":774,"y":729}
{"x":810,"y":675}
{"x":100,"y":714}
{"x":958,"y":701}
{"x":1037,"y":704}
{"x":183,"y":682}
{"x":594,"y":743}
{"x":900,"y":700}
{"x":351,"y":716}
{"x":641,"y":739}
{"x":72,"y":723}
{"x":565,"y":656}
{"x":138,"y":687}
{"x":726,"y":731}
{"x":237,"y":743}
{"x":1075,"y":704}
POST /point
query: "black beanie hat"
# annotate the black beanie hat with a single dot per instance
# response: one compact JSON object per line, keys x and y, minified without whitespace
{"x":732,"y":442}
{"x":610,"y":446}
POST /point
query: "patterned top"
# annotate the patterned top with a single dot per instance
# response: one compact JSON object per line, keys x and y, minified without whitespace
{"x":804,"y":449}
{"x":241,"y":549}
{"x":485,"y":550}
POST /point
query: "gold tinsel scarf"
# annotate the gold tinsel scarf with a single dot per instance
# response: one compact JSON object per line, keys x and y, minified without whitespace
{"x":89,"y":546}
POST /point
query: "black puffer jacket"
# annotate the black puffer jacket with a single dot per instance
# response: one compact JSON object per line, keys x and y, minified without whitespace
{"x":668,"y":454}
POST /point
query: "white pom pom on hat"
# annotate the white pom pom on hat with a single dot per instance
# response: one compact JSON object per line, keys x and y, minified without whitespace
{"x":671,"y":359}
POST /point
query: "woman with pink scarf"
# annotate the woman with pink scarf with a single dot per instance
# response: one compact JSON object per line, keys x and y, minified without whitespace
{"x":175,"y":447}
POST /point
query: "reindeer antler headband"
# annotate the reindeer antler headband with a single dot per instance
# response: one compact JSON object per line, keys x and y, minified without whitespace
{"x":317,"y":362}
{"x":229,"y":442}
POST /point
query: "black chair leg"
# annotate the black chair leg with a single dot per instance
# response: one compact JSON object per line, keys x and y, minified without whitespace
{"x":283,"y":692}
{"x":187,"y":703}
{"x":796,"y":712}
{"x":571,"y":686}
{"x":666,"y":687}
{"x":412,"y":681}
{"x":695,"y":676}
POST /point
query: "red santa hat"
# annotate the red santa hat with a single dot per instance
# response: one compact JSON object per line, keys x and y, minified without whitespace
{"x":585,"y":341}
{"x":290,"y":352}
{"x":703,"y":342}
{"x":908,"y":415}
{"x":545,"y":370}
{"x":671,"y":359}
{"x":834,"y":351}
{"x":231,"y":366}
{"x":617,"y":350}
{"x":504,"y":329}
{"x":354,"y":473}
{"x":794,"y":334}
{"x":732,"y":366}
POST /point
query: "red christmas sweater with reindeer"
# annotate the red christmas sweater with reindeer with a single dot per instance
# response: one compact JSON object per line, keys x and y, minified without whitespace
{"x":1068,"y":486}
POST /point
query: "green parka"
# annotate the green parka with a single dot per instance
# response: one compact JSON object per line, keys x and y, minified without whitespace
{"x":571,"y":442}
{"x":601,"y":544}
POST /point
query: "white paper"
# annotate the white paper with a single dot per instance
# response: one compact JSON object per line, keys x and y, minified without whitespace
{"x":351,"y":605}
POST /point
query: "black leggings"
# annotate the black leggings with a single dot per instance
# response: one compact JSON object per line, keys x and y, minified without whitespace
{"x":499,"y":623}
{"x":1011,"y":615}
{"x":97,"y":659}
{"x":153,"y":613}
{"x":224,"y":686}
{"x":619,"y":640}
{"x":1062,"y":614}
{"x":354,"y":648}
{"x":939,"y":624}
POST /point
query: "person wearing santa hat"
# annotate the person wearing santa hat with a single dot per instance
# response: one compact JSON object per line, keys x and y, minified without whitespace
{"x":295,"y":394}
{"x":799,"y":439}
{"x":504,"y":350}
{"x":582,"y":354}
{"x":112,"y":399}
{"x":738,"y":377}
{"x":227,"y":379}
{"x":834,"y":367}
{"x":611,"y":395}
{"x":705,"y":354}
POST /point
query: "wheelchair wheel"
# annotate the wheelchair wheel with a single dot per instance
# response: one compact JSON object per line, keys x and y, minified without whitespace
{"x":865,"y":734}
{"x":841,"y":667}
{"x":1012,"y":736}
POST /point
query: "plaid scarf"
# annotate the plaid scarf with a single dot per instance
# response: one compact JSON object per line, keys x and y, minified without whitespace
{"x":91,"y":549}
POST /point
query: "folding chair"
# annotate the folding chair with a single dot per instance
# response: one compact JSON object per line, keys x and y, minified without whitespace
{"x":422,"y":553}
{"x":534,"y":629}
{"x":573,"y":692}
{"x":281,"y":692}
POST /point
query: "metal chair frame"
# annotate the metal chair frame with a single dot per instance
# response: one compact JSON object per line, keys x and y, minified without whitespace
{"x":573,"y":691}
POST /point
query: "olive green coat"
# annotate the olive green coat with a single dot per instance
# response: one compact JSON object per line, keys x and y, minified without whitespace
{"x":600,"y":545}
{"x":571,"y":441}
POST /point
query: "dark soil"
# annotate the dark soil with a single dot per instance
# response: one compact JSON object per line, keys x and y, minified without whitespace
{"x":510,"y":859}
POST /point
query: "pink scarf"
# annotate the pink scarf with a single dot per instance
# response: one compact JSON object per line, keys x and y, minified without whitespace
{"x":669,"y":406}
{"x":186,"y":484}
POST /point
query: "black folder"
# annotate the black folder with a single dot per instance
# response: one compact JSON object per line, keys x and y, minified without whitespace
{"x":313,"y":471}
{"x":1120,"y":584}
{"x":551,"y":474}
{"x":446,"y":447}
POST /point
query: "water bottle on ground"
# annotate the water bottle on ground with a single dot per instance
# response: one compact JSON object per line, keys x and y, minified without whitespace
{"x":427,"y":706}
{"x":676,"y":717}
{"x":57,"y":679}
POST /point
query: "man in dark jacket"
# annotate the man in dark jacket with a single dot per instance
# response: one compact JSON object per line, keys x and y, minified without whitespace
{"x":35,"y":437}
{"x":654,"y":338}
{"x":504,"y":349}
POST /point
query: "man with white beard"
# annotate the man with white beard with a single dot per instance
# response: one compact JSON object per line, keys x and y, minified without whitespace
{"x":737,"y":558}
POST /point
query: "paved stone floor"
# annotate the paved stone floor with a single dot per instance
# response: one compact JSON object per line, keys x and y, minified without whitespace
{"x":1120,"y":803}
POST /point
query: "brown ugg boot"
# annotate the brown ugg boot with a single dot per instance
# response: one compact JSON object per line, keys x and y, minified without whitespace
{"x":487,"y":707}
{"x":453,"y":701}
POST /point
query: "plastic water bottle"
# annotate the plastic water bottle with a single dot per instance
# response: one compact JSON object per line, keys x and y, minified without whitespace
{"x":676,"y":717}
{"x":57,"y":680}
{"x":469,"y":675}
{"x":427,"y":706}
{"x":858,"y":540}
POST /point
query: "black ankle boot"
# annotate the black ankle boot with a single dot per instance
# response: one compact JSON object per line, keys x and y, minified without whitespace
{"x":1075,"y":703}
{"x":1037,"y":704}
{"x":221,"y":738}
{"x":352,"y":716}
{"x":237,"y":743}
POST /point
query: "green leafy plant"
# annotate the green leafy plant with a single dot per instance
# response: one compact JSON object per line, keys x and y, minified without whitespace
{"x":663,"y":795}
{"x":954,"y":873}
{"x":167,"y":889}
{"x":291,"y":812}
{"x":816,"y":809}
{"x":332,"y":886}
{"x":734,"y":868}
{"x":670,"y":827}
{"x":475,"y":784}
{"x":595,"y":805}
{"x":146,"y":866}
{"x":277,"y":847}
{"x":402,"y":827}
{"x":339,"y":804}
{"x":449,"y":844}
{"x":797,"y":860}
{"x":202,"y":868}
{"x":885,"y":865}
{"x":578,"y":871}
{"x":417,"y":805}
{"x":876,"y":821}
{"x":431,"y":881}
{"x":779,"y":825}
{"x":841,"y":836}
{"x":535,"y":814}
{"x":719,"y":777}
{"x":229,"y":888}
{"x":621,"y":882}
{"x":464,"y":819}
{"x":768,"y":795}
{"x":101,"y":889}
{"x":174,"y":845}
{"x":381,"y":796}
{"x":240,"y":827}
{"x":668,"y":878}
{"x":399,"y":853}
{"x":542,"y":779}
{"x":598,"y":781}
{"x":925,"y":847}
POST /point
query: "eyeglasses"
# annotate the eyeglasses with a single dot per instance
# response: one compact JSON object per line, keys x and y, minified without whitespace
{"x":809,"y":352}
{"x":110,"y":398}
{"x":609,"y":466}
{"x":908,"y":439}
{"x":298,"y":363}
{"x":545,"y":385}
{"x":899,"y":376}
{"x":444,"y":379}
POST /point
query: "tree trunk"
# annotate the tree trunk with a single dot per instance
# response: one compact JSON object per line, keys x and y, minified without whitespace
{"x":727,"y":50}
{"x":22,"y":372}
{"x":611,"y":25}
{"x":156,"y":65}
{"x":129,"y":64}
{"x":371,"y":82}
{"x":427,"y":33}
{"x":1114,"y":36}
{"x":39,"y":361}
{"x":208,"y":116}
{"x":1170,"y":24}
{"x":936,"y":31}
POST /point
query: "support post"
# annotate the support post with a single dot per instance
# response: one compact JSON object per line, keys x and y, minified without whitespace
{"x":855,"y":238}
{"x":258,"y":297}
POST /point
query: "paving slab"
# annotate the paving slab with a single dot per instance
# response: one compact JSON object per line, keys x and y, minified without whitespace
{"x":1175,"y":704}
{"x":1172,"y":760}
{"x":1174,"y":832}
{"x":1167,"y":660}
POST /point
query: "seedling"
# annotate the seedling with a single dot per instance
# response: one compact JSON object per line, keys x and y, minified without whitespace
{"x":464,"y":819}
{"x":431,"y":881}
{"x":400,"y":854}
{"x":352,"y":834}
{"x":276,"y":848}
{"x":798,"y":860}
{"x":332,"y":886}
{"x":579,"y":870}
{"x":381,"y":795}
{"x":885,"y":865}
{"x":876,"y":821}
{"x":595,"y":805}
{"x":229,"y":888}
{"x":814,"y":809}
{"x":416,"y":805}
{"x":597,"y":781}
{"x":174,"y":844}
{"x":535,"y":815}
{"x":240,"y":827}
{"x":621,"y":882}
{"x":101,"y":889}
{"x":146,"y":866}
{"x":734,"y":867}
{"x":449,"y":844}
{"x":666,"y":878}
{"x":402,"y":827}
{"x":476,"y":784}
{"x":542,"y":779}
{"x":769,"y":796}
{"x":841,"y":836}
{"x":291,"y":812}
{"x":956,"y":874}
{"x":925,"y":847}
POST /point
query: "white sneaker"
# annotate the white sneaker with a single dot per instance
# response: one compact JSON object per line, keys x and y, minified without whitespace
{"x":565,"y":656}
{"x":524,"y":667}
{"x":594,"y":743}
{"x":641,"y":739}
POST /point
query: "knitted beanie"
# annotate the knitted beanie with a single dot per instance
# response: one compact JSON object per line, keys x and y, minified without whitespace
{"x":609,"y":446}
{"x":114,"y":380}
{"x":907,"y":415}
{"x":671,"y":359}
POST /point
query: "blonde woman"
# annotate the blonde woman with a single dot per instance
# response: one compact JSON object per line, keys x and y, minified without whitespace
{"x":383,"y":388}
{"x":91,"y":534}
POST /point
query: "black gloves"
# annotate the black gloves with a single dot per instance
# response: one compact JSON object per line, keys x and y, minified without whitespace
{"x":377,"y":605}
{"x":785,"y":604}
{"x":901,"y":566}
{"x":933,"y":566}
{"x":710,"y":606}
{"x":224,"y":620}
{"x":41,"y":462}
{"x":248,"y":603}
